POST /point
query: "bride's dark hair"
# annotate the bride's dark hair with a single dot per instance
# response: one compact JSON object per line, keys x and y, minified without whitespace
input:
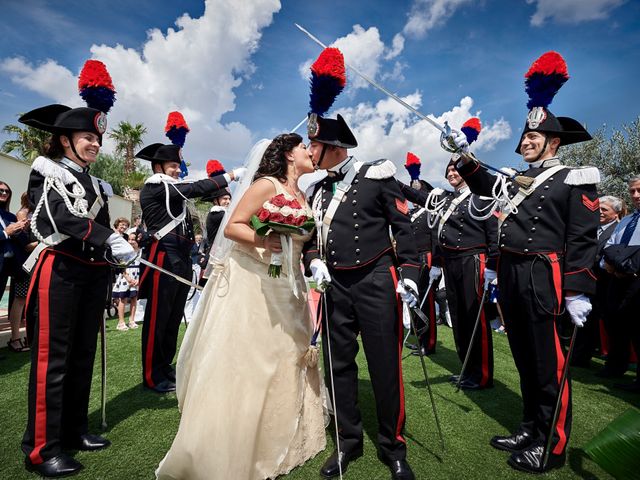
{"x":274,"y":162}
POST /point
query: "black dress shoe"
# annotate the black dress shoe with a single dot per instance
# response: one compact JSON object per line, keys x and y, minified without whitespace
{"x":468,"y":384}
{"x":411,"y":346}
{"x":331,"y":469}
{"x":513,"y":443}
{"x":87,"y":442}
{"x":164,"y":386}
{"x":454,"y":378}
{"x":530,"y":460}
{"x":59,"y":466}
{"x":422,"y":351}
{"x":400,"y":470}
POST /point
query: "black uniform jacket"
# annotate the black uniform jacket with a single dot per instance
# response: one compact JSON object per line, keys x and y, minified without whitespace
{"x":461,"y":234}
{"x":561,"y":216}
{"x":87,"y":236}
{"x":359,"y":232}
{"x":179,"y":241}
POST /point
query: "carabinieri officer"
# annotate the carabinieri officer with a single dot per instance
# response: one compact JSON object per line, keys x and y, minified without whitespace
{"x":164,"y":211}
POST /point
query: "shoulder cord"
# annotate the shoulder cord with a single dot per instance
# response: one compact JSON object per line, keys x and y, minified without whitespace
{"x":499,"y":201}
{"x":316,"y":207}
{"x":79,"y":208}
{"x":433,"y":206}
{"x":181,"y":217}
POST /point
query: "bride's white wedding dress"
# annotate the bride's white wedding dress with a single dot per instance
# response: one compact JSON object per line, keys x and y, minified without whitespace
{"x":251,"y":407}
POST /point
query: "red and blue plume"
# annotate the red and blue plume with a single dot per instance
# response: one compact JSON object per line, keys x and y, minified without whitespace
{"x":545,"y":77}
{"x":328,"y":79}
{"x":471,"y":128}
{"x":96,"y":87}
{"x":214,"y":167}
{"x":176,"y":129}
{"x":413,"y":166}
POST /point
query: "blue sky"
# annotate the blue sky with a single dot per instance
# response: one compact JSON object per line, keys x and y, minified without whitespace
{"x":234,"y":68}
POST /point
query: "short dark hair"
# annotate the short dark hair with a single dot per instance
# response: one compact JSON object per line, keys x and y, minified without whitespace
{"x":274,"y":162}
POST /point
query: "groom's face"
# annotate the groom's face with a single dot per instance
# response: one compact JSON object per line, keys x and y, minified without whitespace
{"x":315,"y":149}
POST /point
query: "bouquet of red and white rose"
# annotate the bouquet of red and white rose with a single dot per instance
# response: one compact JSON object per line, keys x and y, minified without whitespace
{"x":282,"y":216}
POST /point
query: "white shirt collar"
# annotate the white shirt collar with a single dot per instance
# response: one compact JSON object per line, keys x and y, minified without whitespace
{"x":70,"y":164}
{"x":553,"y":161}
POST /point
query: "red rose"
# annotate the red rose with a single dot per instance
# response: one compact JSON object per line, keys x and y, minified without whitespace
{"x":290,"y":220}
{"x":263,"y":214}
{"x":279,"y":200}
{"x":295,"y":204}
{"x":300,"y":220}
{"x":276,"y":217}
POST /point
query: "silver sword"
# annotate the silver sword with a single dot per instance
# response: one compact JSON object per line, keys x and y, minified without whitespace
{"x":171,"y":274}
{"x":473,"y":335}
{"x":446,"y":139}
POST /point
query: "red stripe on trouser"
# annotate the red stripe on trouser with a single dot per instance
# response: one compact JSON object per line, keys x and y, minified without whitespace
{"x":152,"y":254}
{"x":152,"y":324}
{"x":484,"y":344}
{"x":560,"y":359}
{"x":401,"y":413}
{"x":32,"y":282}
{"x":40,"y":410}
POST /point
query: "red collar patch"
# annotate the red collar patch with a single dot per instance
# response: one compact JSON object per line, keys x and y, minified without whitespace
{"x":592,"y":205}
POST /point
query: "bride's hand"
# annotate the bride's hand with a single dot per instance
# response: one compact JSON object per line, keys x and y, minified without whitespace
{"x":272,"y":243}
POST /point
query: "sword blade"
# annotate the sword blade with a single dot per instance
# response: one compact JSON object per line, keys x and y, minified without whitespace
{"x":377,"y":85}
{"x":473,"y":335}
{"x":171,"y":274}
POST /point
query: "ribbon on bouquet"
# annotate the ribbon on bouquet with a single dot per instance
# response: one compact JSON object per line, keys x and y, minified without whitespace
{"x":286,"y":257}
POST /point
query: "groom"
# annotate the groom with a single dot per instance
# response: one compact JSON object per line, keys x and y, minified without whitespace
{"x":359,"y":204}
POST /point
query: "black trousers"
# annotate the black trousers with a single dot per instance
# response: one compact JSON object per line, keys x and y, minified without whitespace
{"x":166,"y":298}
{"x":622,"y":320}
{"x":428,"y":333}
{"x":363,"y":301}
{"x":464,"y":278}
{"x":65,"y":309}
{"x":531,"y":295}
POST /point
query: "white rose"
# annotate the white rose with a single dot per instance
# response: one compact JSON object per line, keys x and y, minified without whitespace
{"x":286,"y":210}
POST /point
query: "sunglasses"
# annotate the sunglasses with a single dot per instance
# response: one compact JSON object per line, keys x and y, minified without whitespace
{"x":4,"y":192}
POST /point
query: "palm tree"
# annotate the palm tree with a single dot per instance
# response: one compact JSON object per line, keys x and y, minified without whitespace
{"x":128,"y":138}
{"x":30,"y":142}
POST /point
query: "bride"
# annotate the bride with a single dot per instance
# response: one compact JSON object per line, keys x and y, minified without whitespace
{"x":251,"y":407}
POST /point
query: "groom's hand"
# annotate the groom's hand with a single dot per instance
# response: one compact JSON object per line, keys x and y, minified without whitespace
{"x":320,"y":273}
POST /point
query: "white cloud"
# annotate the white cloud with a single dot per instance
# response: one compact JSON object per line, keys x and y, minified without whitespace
{"x":364,"y":50}
{"x":428,"y":14}
{"x":389,"y":130}
{"x":193,"y":68}
{"x":572,"y":11}
{"x":397,"y":45}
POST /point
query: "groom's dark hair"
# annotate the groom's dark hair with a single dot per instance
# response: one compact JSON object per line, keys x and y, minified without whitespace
{"x":274,"y":162}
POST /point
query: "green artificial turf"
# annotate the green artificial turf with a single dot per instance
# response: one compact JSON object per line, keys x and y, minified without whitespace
{"x":141,"y":424}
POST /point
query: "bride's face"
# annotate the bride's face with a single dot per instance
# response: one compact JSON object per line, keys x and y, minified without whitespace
{"x":301,"y":158}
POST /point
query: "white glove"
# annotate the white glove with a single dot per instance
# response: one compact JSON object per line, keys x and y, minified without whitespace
{"x":239,"y":173}
{"x":434,"y":274}
{"x":406,"y":316}
{"x":490,"y":277}
{"x":460,"y":140}
{"x":320,"y":273}
{"x":120,"y":248}
{"x":579,"y":307}
{"x":407,"y":297}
